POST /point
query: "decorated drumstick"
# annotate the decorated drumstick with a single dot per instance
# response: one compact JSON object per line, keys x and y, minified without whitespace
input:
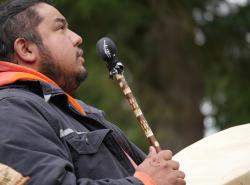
{"x":107,"y":50}
{"x":9,"y":176}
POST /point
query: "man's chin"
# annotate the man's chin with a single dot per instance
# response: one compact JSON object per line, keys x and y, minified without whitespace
{"x":82,"y":77}
{"x":85,"y":76}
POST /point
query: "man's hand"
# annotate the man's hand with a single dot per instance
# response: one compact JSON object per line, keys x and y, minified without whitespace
{"x":161,"y":168}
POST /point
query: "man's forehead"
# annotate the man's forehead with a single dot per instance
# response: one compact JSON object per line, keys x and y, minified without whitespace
{"x":49,"y":12}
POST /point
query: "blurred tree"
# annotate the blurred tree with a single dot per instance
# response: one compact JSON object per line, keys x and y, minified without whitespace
{"x":227,"y":59}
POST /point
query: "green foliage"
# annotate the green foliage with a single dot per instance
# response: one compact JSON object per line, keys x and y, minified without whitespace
{"x":228,"y":65}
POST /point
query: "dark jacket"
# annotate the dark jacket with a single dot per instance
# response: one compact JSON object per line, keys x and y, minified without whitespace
{"x":44,"y":137}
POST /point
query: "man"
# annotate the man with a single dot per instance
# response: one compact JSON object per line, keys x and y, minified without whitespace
{"x":46,"y":134}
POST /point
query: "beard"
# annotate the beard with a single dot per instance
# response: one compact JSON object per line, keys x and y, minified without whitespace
{"x":68,"y":82}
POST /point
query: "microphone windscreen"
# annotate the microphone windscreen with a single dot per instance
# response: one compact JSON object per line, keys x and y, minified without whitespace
{"x":106,"y":48}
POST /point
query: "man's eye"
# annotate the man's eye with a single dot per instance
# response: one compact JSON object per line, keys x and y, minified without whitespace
{"x":61,"y":27}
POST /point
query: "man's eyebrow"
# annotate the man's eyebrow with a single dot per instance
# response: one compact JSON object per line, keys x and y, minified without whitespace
{"x":62,"y":20}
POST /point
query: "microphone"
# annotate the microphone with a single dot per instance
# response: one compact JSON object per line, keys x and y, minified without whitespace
{"x":106,"y":49}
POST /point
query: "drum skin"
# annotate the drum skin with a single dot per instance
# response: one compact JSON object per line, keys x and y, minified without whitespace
{"x":219,"y":159}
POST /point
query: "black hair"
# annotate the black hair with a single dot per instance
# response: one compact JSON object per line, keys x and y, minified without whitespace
{"x":18,"y":18}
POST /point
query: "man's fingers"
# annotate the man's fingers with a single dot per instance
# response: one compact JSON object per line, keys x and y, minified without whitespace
{"x":181,"y":175}
{"x":172,"y":164}
{"x":180,"y":181}
{"x":165,"y":154}
{"x":178,"y":177}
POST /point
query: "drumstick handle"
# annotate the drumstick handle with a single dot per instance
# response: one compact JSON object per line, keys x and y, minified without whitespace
{"x":137,"y":111}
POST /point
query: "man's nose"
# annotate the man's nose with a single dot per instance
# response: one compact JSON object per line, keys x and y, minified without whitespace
{"x":75,"y":38}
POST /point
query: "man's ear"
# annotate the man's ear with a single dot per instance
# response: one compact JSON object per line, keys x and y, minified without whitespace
{"x":25,"y":51}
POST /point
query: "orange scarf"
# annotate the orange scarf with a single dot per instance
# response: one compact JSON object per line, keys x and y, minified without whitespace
{"x":10,"y":73}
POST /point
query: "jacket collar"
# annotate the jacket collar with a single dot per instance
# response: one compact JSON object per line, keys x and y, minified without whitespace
{"x":11,"y":73}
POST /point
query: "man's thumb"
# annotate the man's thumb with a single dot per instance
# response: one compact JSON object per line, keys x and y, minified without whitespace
{"x":152,"y":151}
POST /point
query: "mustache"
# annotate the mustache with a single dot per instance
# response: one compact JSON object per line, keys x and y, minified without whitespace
{"x":79,"y":52}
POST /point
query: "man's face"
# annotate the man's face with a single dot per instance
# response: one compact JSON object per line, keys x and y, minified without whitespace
{"x":61,"y":59}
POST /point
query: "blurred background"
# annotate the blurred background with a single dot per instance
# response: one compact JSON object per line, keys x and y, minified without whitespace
{"x":187,"y":62}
